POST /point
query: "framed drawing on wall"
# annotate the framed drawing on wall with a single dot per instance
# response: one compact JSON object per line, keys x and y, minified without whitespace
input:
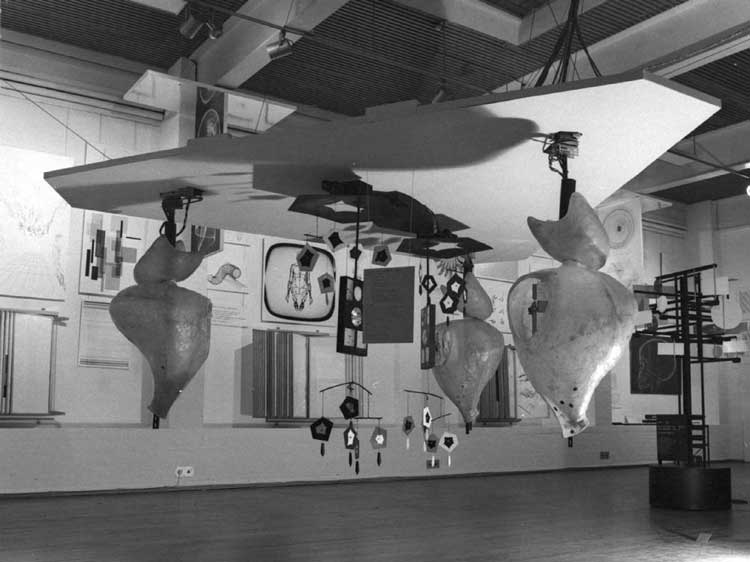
{"x":293,"y":295}
{"x":497,"y":289}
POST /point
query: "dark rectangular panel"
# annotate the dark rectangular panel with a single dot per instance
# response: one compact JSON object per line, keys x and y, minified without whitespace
{"x":389,"y":305}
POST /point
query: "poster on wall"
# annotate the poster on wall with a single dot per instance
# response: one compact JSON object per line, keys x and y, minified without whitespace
{"x":112,"y":244}
{"x":292,"y":294}
{"x":100,"y":343}
{"x":497,"y":290}
{"x":228,"y":280}
{"x":650,"y":372}
{"x":36,"y":221}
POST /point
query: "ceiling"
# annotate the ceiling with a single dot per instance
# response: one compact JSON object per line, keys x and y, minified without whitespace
{"x":355,"y":54}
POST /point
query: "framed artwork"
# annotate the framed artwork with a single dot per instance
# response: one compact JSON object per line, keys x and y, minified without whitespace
{"x":291,"y":294}
{"x":497,"y":289}
{"x":112,"y":244}
{"x":36,"y":222}
{"x":227,"y":269}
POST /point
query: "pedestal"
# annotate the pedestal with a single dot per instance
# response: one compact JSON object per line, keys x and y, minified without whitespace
{"x":690,"y":487}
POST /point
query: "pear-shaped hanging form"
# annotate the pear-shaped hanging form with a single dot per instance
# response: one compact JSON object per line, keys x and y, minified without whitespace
{"x":570,"y":324}
{"x":170,"y":325}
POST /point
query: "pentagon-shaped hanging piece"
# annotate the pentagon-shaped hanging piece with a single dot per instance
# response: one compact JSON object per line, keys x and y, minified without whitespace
{"x":350,"y":437}
{"x":448,"y":441}
{"x":456,"y":284}
{"x":354,"y":253}
{"x":326,"y":283}
{"x":321,"y":429}
{"x":428,"y":283}
{"x":349,"y":407}
{"x":432,"y":443}
{"x":307,"y":257}
{"x":334,"y":241}
{"x":408,"y":425}
{"x":379,"y":438}
{"x":449,"y":303}
{"x":381,"y":255}
{"x":426,"y":418}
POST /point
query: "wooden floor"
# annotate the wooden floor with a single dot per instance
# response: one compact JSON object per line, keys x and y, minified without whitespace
{"x":587,"y":516}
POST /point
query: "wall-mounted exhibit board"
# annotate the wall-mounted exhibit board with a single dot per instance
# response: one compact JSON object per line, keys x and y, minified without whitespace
{"x":479,"y":160}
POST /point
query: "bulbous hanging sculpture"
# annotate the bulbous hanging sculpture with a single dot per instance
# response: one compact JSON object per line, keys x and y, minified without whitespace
{"x":170,"y":325}
{"x":468,"y":351}
{"x":467,"y":355}
{"x":570,"y":329}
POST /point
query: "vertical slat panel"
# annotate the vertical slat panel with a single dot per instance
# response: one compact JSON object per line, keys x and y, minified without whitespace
{"x":3,"y":376}
{"x":11,"y":358}
{"x":259,"y":373}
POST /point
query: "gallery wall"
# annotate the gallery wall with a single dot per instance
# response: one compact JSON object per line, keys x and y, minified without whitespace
{"x":104,"y":440}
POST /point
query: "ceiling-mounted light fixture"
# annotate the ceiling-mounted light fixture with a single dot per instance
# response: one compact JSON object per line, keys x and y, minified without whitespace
{"x":214,"y":31}
{"x":191,"y":26}
{"x":441,"y":93}
{"x":280,"y":48}
{"x":747,"y":190}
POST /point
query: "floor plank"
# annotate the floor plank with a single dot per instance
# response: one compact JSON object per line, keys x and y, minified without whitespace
{"x":592,"y":515}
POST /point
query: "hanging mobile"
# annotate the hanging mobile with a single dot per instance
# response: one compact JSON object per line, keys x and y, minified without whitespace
{"x":426,"y":424}
{"x":350,"y":440}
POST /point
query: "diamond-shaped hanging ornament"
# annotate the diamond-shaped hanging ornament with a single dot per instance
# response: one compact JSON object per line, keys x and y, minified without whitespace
{"x":349,"y":407}
{"x":448,"y":441}
{"x":381,"y":255}
{"x":379,"y":438}
{"x":321,"y":429}
{"x":455,"y":284}
{"x":428,"y":283}
{"x":307,"y":257}
{"x":408,"y":425}
{"x":449,"y":303}
{"x":432,"y":443}
{"x":426,"y":418}
{"x":354,"y":253}
{"x":350,"y":437}
{"x":334,"y":241}
{"x":327,"y":283}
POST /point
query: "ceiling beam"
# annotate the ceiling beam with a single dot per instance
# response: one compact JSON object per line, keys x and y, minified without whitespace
{"x":727,"y":147}
{"x":45,"y":63}
{"x":241,"y":51}
{"x":486,"y":19}
{"x":173,"y":6}
{"x":473,"y":14}
{"x":548,"y":17}
{"x":686,"y":28}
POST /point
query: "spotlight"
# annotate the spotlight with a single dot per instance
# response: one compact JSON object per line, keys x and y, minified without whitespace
{"x":747,"y":190}
{"x":214,"y":31}
{"x":439,"y":95}
{"x":280,"y":48}
{"x":190,"y":27}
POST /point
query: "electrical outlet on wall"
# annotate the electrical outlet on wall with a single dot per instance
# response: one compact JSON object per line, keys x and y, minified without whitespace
{"x":184,"y":472}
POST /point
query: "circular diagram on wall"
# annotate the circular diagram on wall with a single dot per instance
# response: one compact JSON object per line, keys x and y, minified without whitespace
{"x":619,"y":225}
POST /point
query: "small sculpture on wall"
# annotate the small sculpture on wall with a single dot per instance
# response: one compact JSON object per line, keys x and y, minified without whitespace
{"x":169,"y":324}
{"x":570,"y":324}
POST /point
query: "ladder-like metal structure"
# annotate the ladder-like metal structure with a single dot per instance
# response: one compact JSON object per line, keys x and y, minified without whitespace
{"x":684,"y":438}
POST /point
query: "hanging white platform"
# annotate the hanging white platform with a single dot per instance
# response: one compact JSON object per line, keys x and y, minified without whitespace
{"x":478,"y":160}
